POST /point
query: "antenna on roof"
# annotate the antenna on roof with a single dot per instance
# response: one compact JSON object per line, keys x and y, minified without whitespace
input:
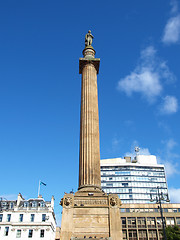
{"x":137,"y":149}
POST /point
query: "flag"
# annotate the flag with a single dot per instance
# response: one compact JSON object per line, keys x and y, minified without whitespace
{"x":41,"y":183}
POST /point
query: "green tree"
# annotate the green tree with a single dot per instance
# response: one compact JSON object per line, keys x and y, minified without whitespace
{"x":173,"y":233}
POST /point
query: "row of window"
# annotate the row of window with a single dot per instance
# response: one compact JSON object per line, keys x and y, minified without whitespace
{"x":34,"y":204}
{"x":141,"y":179}
{"x":6,"y":205}
{"x":133,"y":168}
{"x":32,"y":217}
{"x":133,"y":184}
{"x":135,"y":190}
{"x":10,"y":205}
{"x":170,"y":210}
{"x":132,"y":235}
{"x":18,"y":232}
{"x":142,"y":222}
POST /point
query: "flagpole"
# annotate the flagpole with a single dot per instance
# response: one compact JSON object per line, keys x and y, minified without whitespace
{"x":39,"y":188}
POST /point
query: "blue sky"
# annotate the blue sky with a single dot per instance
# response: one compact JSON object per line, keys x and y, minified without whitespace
{"x":40,"y":44}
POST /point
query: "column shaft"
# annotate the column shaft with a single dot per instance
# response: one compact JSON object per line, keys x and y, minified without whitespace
{"x":89,"y":159}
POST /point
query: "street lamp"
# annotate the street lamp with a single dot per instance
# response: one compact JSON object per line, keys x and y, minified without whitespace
{"x":160,"y":197}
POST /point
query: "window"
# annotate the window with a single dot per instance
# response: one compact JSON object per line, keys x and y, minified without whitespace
{"x":30,"y":234}
{"x":25,"y":204}
{"x":151,"y":222}
{"x":178,"y":221}
{"x":125,"y":184}
{"x":132,"y":234}
{"x":42,"y":204}
{"x":132,"y":222}
{"x":141,"y":222}
{"x":42,"y":233}
{"x":6,"y":231}
{"x":20,"y":217}
{"x":130,"y":190}
{"x":159,"y":222}
{"x":152,"y":235}
{"x":124,"y":234}
{"x":11,"y":205}
{"x":32,"y":217}
{"x":142,"y":234}
{"x":34,"y":204}
{"x":170,"y":221}
{"x":123,"y":220}
{"x":8,"y":217}
{"x":122,"y":209}
{"x":109,"y":184}
{"x":1,"y":217}
{"x":43,"y":217}
{"x":18,"y":233}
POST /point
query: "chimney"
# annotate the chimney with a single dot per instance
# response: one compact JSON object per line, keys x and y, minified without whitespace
{"x":19,"y":199}
{"x":52,"y":202}
{"x":128,"y":159}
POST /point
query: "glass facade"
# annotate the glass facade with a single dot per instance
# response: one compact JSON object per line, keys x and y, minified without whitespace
{"x":133,"y":182}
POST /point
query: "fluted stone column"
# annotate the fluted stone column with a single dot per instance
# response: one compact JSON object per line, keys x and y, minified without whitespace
{"x":89,"y":159}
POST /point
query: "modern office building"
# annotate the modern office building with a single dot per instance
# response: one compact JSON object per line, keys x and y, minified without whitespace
{"x":133,"y":180}
{"x":143,"y":221}
{"x":24,"y":219}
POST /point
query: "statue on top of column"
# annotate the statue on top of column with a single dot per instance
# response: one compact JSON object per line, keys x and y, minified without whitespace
{"x":88,"y":39}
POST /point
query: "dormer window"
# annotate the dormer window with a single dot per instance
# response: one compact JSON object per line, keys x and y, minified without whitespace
{"x":25,"y":204}
{"x":34,"y":204}
{"x":11,"y":205}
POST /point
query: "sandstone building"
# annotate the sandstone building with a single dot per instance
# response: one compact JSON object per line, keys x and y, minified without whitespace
{"x":27,"y":219}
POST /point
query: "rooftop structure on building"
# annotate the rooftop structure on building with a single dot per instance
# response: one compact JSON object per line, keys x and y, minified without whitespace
{"x":134,"y":180}
{"x":33,"y":218}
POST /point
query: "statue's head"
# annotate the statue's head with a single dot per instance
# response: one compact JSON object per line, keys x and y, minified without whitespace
{"x":89,"y":31}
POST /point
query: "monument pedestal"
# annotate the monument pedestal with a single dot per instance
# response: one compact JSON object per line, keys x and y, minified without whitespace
{"x":91,"y":214}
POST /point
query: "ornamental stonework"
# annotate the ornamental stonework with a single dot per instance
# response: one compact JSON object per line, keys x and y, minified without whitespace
{"x":91,"y":202}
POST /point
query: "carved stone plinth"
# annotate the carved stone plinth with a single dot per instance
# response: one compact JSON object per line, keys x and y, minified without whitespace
{"x":93,"y":215}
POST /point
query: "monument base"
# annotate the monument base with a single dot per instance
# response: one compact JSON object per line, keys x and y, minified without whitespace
{"x":91,"y":213}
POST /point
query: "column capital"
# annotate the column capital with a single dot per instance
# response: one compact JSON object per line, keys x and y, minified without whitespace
{"x":83,"y":62}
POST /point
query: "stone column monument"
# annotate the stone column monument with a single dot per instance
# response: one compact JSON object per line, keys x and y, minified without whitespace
{"x":89,"y":159}
{"x":90,"y":213}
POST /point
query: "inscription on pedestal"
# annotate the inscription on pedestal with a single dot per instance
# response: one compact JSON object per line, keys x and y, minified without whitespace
{"x":91,"y":202}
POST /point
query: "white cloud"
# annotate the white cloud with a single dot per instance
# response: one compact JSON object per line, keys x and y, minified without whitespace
{"x":144,"y":151}
{"x":170,"y":168}
{"x":174,"y":6}
{"x":147,"y":77}
{"x":170,"y":144}
{"x":142,"y":82}
{"x":115,"y":144}
{"x":169,"y":157}
{"x":170,"y":105}
{"x":172,"y":30}
{"x":174,"y":195}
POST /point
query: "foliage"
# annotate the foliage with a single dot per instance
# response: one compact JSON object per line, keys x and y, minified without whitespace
{"x":173,"y":233}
